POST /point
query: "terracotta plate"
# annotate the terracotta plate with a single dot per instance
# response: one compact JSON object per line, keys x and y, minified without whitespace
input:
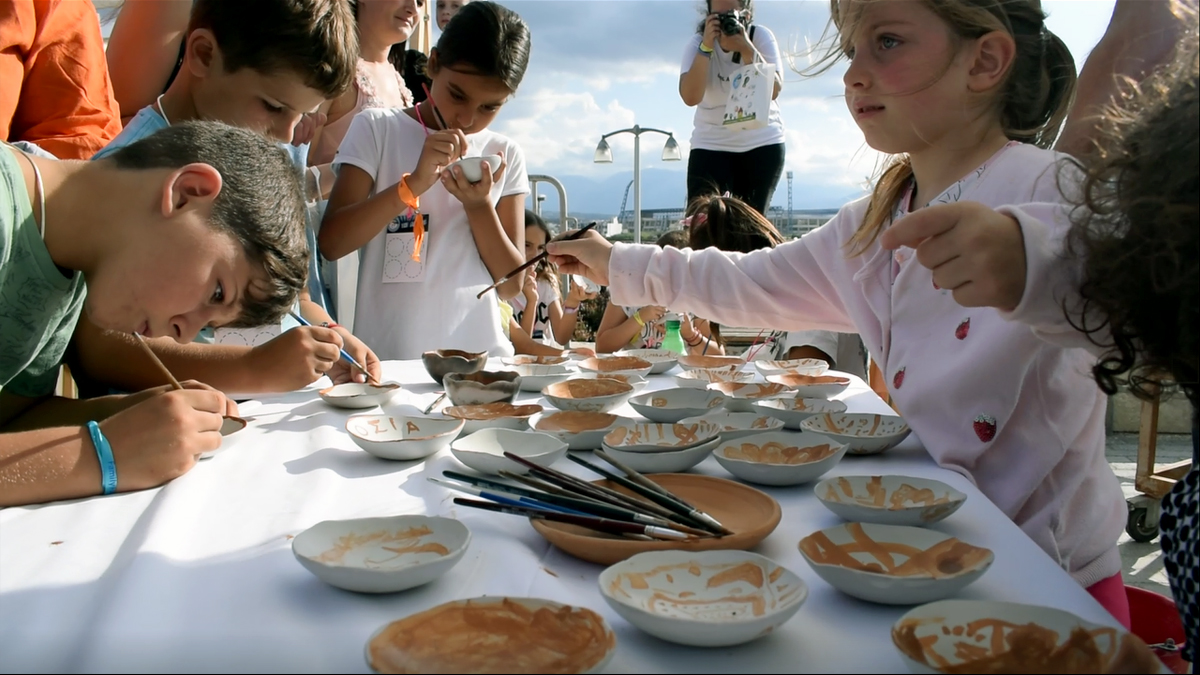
{"x":751,"y":514}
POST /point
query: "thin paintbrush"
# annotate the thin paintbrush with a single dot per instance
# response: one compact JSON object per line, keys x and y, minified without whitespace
{"x":662,"y":496}
{"x":537,"y":258}
{"x":508,"y":499}
{"x":437,"y":113}
{"x":158,"y":362}
{"x":592,"y":523}
{"x":345,"y":354}
{"x":587,"y":506}
{"x":653,"y":495}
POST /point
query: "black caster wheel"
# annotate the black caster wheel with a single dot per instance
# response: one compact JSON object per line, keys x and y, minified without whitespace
{"x":1136,"y":526}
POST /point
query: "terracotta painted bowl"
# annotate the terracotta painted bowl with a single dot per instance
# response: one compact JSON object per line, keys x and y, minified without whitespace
{"x":743,"y":395}
{"x":703,"y":598}
{"x":381,"y":555}
{"x":638,"y":382}
{"x":780,"y":457}
{"x":738,"y":424}
{"x":792,"y":367}
{"x":889,"y":500}
{"x":402,"y":438}
{"x":983,"y":636}
{"x":494,"y":634}
{"x":488,"y":415}
{"x":482,"y":387}
{"x":580,"y":430}
{"x":440,"y":362}
{"x":702,"y":362}
{"x":812,"y":386}
{"x":617,"y":364}
{"x":528,"y":359}
{"x":658,"y":436}
{"x":661,"y":360}
{"x":793,"y":411}
{"x":359,"y":396}
{"x":894,"y":564}
{"x":672,"y":405}
{"x":863,"y":433}
{"x":702,"y":378}
{"x":590,"y":395}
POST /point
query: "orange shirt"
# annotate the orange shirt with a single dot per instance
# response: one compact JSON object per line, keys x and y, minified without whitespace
{"x":54,"y":85}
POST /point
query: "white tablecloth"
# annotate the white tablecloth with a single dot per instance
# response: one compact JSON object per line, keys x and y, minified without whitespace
{"x":198,"y":576}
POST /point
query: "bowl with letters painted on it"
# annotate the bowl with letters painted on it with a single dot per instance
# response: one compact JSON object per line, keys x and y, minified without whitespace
{"x":863,"y":433}
{"x":359,"y":395}
{"x":889,"y":500}
{"x":401,"y":437}
{"x":472,"y":167}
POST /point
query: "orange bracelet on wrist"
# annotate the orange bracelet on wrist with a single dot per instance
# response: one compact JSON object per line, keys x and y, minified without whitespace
{"x":413,"y":202}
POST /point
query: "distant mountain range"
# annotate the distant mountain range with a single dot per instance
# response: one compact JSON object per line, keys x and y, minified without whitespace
{"x":662,"y":189}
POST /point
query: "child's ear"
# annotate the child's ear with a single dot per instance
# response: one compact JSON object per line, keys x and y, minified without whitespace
{"x":203,"y":53}
{"x":993,"y":58}
{"x":431,"y":64}
{"x":189,"y":187}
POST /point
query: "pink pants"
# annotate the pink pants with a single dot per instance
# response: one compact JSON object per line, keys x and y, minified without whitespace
{"x":1110,"y":593}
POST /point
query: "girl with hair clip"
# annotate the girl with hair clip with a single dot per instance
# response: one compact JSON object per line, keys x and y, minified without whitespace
{"x":539,"y":309}
{"x":1124,"y":264}
{"x":430,"y":239}
{"x":966,"y":95}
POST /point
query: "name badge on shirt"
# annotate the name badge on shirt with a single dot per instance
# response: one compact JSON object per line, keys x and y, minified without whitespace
{"x":399,"y":263}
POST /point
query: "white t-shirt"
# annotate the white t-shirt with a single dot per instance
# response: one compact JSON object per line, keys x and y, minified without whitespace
{"x":439,"y":311}
{"x":708,"y":133}
{"x":542,"y":330}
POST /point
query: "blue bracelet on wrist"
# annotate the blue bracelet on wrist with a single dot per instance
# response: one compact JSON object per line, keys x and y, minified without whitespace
{"x":108,"y":466}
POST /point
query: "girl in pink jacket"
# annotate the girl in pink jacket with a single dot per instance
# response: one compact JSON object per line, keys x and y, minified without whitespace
{"x":966,"y":95}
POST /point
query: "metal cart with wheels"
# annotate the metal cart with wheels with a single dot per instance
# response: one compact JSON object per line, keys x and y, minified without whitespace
{"x":1151,"y":481}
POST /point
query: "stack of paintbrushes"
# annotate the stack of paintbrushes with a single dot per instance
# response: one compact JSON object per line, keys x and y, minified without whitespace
{"x":647,"y":511}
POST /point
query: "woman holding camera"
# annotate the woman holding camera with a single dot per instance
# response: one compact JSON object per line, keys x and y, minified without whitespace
{"x":745,"y":163}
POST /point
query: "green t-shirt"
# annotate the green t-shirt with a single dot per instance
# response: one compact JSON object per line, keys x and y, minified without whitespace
{"x":38,"y":305}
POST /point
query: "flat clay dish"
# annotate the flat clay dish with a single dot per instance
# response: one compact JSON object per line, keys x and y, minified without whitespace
{"x":749,"y":513}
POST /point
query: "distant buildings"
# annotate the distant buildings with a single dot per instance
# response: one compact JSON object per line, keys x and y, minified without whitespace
{"x":657,"y":221}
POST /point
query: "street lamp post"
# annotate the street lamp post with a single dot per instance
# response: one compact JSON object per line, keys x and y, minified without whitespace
{"x":670,"y":153}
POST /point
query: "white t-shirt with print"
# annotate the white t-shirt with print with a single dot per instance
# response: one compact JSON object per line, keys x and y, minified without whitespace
{"x":440,"y":311}
{"x":547,"y":295}
{"x":708,"y":132}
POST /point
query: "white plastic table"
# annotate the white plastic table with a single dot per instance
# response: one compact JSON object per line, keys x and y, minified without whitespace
{"x":198,"y":576}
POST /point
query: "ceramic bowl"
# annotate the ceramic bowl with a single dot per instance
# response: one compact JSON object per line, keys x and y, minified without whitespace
{"x":889,"y":500}
{"x":359,"y":396}
{"x":402,"y":438}
{"x":229,"y":425}
{"x":381,"y":555}
{"x":482,"y":387}
{"x":657,"y":437}
{"x":701,"y":378}
{"x":812,"y":386}
{"x":793,"y":411}
{"x":863,"y":433}
{"x":780,"y":457}
{"x":578,"y":429}
{"x":494,"y":634}
{"x":703,"y":362}
{"x":626,"y":365}
{"x":638,"y":382}
{"x":484,"y":450}
{"x":792,"y":367}
{"x":893,"y":564}
{"x":703,"y":598}
{"x":588,"y":285}
{"x":749,"y":513}
{"x":672,"y":405}
{"x":738,"y":424}
{"x":441,"y":362}
{"x":663,"y":461}
{"x":661,"y":360}
{"x":492,"y":415}
{"x":472,"y":167}
{"x":588,"y":395}
{"x":528,"y":359}
{"x":983,"y":636}
{"x":742,"y":396}
{"x":537,"y":377}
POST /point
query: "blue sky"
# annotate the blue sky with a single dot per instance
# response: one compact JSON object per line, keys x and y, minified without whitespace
{"x":603,"y":65}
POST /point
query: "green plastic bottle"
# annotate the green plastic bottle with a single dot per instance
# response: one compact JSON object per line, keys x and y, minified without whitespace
{"x":673,"y":341}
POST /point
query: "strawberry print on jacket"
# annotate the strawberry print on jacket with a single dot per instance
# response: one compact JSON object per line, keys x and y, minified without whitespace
{"x":1038,"y":453}
{"x":963,"y":328}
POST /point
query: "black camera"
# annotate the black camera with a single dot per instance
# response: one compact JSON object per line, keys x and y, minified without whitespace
{"x":731,"y":22}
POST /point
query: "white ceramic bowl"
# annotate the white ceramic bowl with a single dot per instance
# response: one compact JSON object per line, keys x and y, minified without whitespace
{"x":402,"y":438}
{"x":472,"y":167}
{"x":381,"y":555}
{"x":631,"y":436}
{"x":664,"y":461}
{"x":780,"y":457}
{"x":738,"y":424}
{"x":661,"y":360}
{"x":578,"y":429}
{"x":229,"y":425}
{"x":793,"y":411}
{"x":976,"y":636}
{"x":588,"y":285}
{"x":672,"y":405}
{"x":537,"y":377}
{"x":894,"y":564}
{"x":889,"y":500}
{"x":705,"y":362}
{"x":863,"y":433}
{"x":638,"y":382}
{"x":792,"y":366}
{"x":703,"y":598}
{"x":602,"y":394}
{"x":492,"y":416}
{"x":506,"y":635}
{"x":484,"y":450}
{"x":359,"y":396}
{"x":609,"y":365}
{"x":742,"y":396}
{"x":812,"y":386}
{"x":701,"y":378}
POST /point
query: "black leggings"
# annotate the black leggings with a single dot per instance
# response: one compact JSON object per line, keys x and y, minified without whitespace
{"x":751,"y":176}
